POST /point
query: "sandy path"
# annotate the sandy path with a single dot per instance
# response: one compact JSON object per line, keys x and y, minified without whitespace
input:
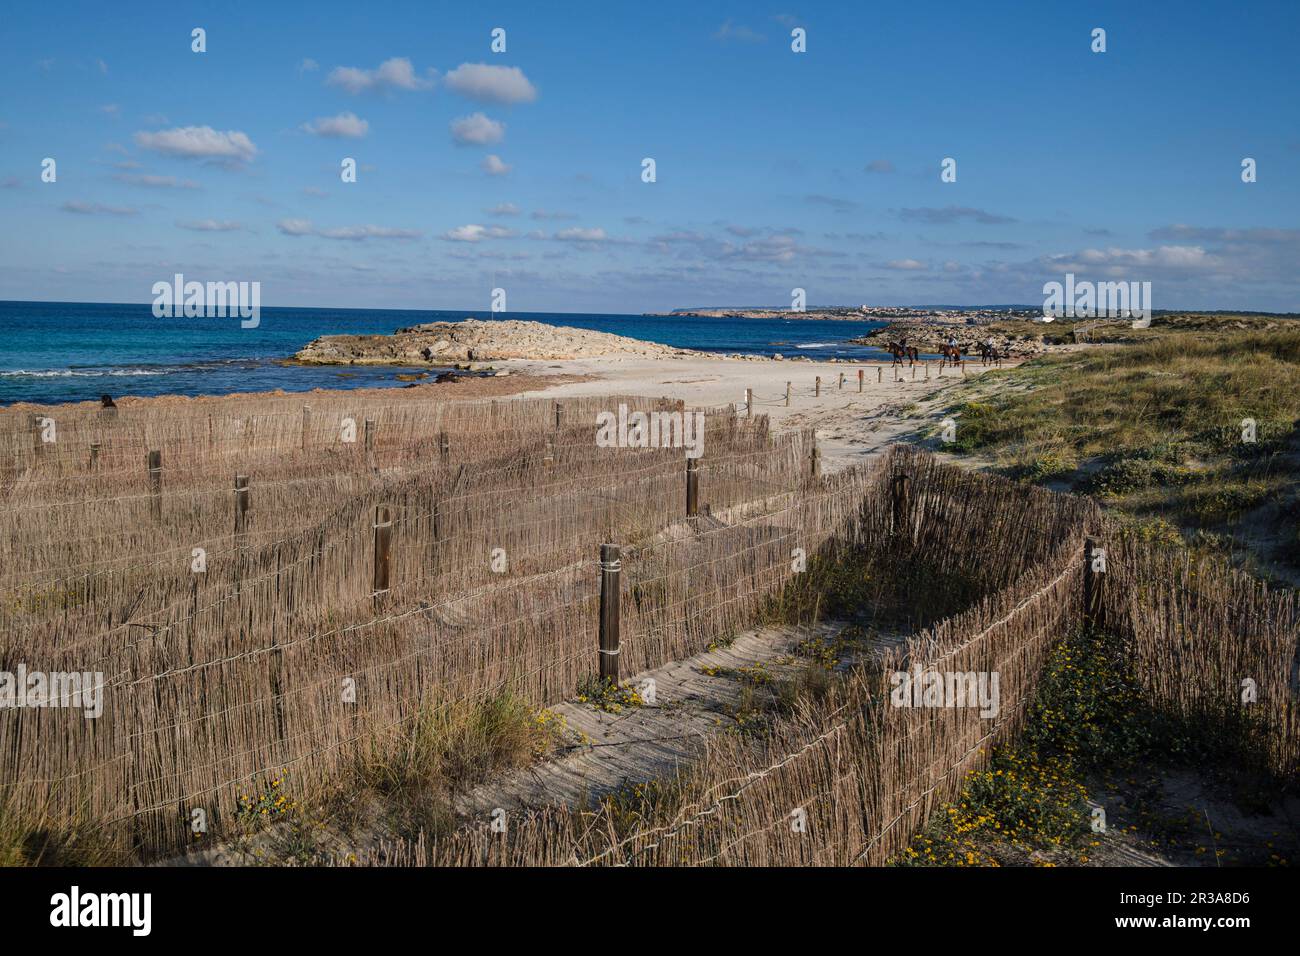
{"x":695,"y":699}
{"x":851,"y":426}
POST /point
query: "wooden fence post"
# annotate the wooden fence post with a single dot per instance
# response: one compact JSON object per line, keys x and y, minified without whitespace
{"x":787,"y":394}
{"x":383,"y":549}
{"x":155,"y":483}
{"x":241,"y":506}
{"x":1094,"y":583}
{"x":815,"y":462}
{"x":370,"y":435}
{"x":841,"y":381}
{"x":860,"y":374}
{"x":749,"y":403}
{"x":559,"y":415}
{"x":94,"y":456}
{"x":444,"y":448}
{"x":901,"y":506}
{"x":39,"y":446}
{"x":818,"y":393}
{"x":692,"y":487}
{"x":610,"y":567}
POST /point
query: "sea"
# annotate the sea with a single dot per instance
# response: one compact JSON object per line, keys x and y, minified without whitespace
{"x":75,"y":351}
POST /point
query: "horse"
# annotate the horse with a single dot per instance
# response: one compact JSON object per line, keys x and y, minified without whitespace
{"x":913,"y":355}
{"x":897,"y":351}
{"x":951,"y":354}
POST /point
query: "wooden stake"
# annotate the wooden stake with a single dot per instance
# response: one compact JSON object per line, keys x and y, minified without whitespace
{"x":841,"y":381}
{"x":155,"y":483}
{"x":383,"y":549}
{"x":880,"y":374}
{"x":787,"y":394}
{"x":1094,"y":583}
{"x":444,"y":447}
{"x":241,"y":505}
{"x":94,"y":456}
{"x":749,"y":403}
{"x":559,"y":415}
{"x":610,"y":567}
{"x":860,"y":374}
{"x":816,"y":462}
{"x":692,"y":487}
{"x":818,"y":393}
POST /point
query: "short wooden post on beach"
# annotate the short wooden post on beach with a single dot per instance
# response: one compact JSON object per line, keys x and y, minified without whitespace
{"x":895,"y":373}
{"x":787,"y":394}
{"x":841,"y":381}
{"x":898,"y":493}
{"x":1094,"y":582}
{"x":559,"y":415}
{"x":610,"y":567}
{"x":370,"y":435}
{"x":94,"y":456}
{"x":444,"y":448}
{"x":818,"y":392}
{"x":383,"y":549}
{"x":815,"y":462}
{"x":241,"y":505}
{"x":749,"y":403}
{"x":155,"y":483}
{"x":880,"y":374}
{"x":306,"y":425}
{"x":860,"y":374}
{"x":692,"y":487}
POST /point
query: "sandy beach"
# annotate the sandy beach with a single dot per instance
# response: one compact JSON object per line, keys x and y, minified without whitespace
{"x":851,"y":426}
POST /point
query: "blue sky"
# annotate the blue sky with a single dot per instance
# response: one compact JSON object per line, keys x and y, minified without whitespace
{"x":774,"y":169}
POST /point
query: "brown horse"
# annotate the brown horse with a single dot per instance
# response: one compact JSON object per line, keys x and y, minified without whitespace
{"x":950,"y":354}
{"x":897,"y":351}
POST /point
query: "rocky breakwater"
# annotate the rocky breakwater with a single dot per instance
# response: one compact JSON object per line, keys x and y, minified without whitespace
{"x":477,"y":340}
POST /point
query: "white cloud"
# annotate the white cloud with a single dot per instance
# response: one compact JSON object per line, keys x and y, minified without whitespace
{"x":491,"y":84}
{"x":199,"y":142}
{"x":345,"y":125}
{"x":577,"y":234}
{"x":473,"y":232}
{"x":493,"y":166}
{"x":303,"y":227}
{"x":97,"y":209}
{"x":294,"y":227}
{"x":393,"y":74}
{"x":156,"y":182}
{"x":477,"y":130}
{"x":358,"y":233}
{"x":906,"y":265}
{"x":210,"y":225}
{"x":503,"y":209}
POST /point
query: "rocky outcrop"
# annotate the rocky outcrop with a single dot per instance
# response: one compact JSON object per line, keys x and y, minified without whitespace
{"x":929,"y":338}
{"x":476,"y":340}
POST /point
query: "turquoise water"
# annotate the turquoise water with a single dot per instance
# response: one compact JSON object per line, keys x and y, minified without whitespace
{"x":62,"y":351}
